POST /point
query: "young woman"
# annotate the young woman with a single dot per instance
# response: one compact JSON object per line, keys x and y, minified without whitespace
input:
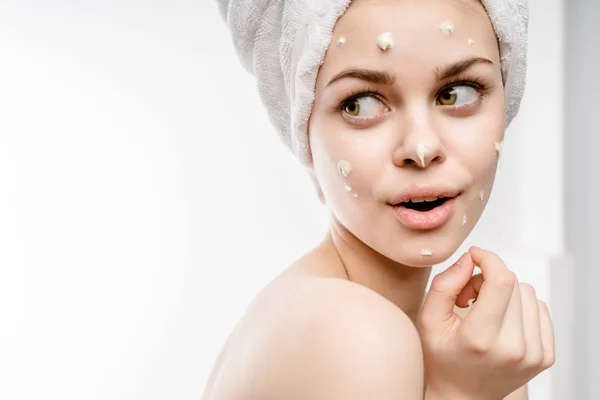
{"x":398,"y":109}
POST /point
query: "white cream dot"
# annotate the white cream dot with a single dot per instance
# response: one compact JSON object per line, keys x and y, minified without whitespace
{"x":422,"y":152}
{"x":344,"y":167}
{"x":385,"y":41}
{"x":498,"y":146}
{"x":425,"y":252}
{"x":447,"y":28}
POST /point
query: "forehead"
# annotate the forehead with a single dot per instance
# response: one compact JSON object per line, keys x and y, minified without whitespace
{"x":418,"y":40}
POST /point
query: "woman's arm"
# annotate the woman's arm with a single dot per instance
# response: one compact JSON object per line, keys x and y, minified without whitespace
{"x":343,"y":342}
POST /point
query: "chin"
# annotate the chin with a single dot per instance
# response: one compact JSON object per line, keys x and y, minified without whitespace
{"x":436,"y":250}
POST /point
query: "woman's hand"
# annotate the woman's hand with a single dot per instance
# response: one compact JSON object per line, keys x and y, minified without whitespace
{"x":505,"y":340}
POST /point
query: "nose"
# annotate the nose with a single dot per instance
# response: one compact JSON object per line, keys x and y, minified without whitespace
{"x":419,"y":143}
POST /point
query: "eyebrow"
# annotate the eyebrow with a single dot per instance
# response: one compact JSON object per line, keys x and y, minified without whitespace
{"x":385,"y":78}
{"x":368,"y":75}
{"x":456,"y":68}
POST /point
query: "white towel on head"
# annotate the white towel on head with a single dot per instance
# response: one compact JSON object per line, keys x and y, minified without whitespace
{"x":283,"y":43}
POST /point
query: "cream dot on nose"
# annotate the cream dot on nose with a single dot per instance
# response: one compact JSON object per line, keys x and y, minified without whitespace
{"x":422,"y":152}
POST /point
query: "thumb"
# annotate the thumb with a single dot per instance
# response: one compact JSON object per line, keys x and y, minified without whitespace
{"x":438,"y":308}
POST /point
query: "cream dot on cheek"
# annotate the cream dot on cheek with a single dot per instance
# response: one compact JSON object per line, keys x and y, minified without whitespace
{"x":344,"y":168}
{"x":341,"y":41}
{"x":464,"y":220}
{"x":481,"y":195}
{"x":498,"y":146}
{"x":347,"y":187}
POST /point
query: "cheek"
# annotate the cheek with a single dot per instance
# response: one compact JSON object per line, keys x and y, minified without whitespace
{"x":346,"y":170}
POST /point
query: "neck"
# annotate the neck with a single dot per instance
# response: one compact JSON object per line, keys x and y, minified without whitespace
{"x":402,"y":285}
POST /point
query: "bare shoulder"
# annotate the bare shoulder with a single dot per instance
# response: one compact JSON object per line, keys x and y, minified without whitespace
{"x":343,"y":341}
{"x":336,"y":340}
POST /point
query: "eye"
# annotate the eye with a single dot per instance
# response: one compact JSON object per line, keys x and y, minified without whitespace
{"x":364,"y":107}
{"x":458,"y":95}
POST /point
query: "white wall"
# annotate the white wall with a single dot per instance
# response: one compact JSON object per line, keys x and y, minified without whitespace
{"x":147,"y":198}
{"x":583,"y":188}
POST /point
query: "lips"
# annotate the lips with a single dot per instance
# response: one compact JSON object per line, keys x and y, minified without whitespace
{"x":425,"y":207}
{"x":424,"y":204}
{"x":417,"y":192}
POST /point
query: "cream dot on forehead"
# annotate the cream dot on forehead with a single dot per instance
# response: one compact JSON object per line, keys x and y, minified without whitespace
{"x":447,"y":27}
{"x":341,"y":41}
{"x":385,"y":41}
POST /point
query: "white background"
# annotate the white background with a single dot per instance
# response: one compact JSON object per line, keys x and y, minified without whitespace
{"x":146,"y":197}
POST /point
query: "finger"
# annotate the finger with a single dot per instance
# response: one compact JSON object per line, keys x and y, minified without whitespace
{"x":511,"y":339}
{"x":494,"y":295}
{"x":438,"y":307}
{"x":470,"y":291}
{"x":531,"y":326}
{"x":547,"y":333}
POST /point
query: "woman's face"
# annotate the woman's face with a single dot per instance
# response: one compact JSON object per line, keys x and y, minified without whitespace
{"x":419,"y":120}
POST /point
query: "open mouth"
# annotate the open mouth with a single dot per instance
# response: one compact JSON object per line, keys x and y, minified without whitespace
{"x":424,"y":204}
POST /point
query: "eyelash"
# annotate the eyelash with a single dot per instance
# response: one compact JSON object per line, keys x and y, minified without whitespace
{"x":473,"y":82}
{"x":356,"y":93}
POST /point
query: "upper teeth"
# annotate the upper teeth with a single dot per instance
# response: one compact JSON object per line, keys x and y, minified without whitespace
{"x":422,"y":199}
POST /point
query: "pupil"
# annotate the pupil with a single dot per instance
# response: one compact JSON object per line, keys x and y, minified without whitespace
{"x":352,"y":108}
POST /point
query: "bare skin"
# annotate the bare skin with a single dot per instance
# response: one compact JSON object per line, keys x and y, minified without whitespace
{"x":355,"y":300}
{"x":230,"y":378}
